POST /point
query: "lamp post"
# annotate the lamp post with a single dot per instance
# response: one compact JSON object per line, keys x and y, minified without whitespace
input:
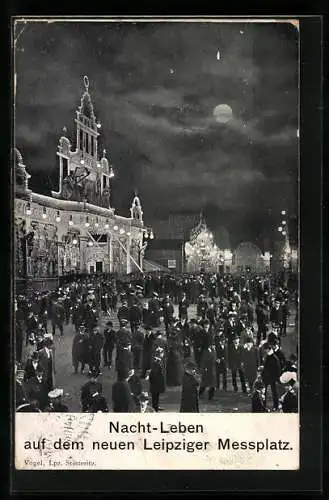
{"x":286,"y":253}
{"x":143,"y":243}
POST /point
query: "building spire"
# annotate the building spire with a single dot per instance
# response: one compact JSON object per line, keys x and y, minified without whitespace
{"x":86,"y":82}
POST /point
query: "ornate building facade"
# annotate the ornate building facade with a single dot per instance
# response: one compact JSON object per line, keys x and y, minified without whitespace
{"x":202,"y":252}
{"x":75,"y":230}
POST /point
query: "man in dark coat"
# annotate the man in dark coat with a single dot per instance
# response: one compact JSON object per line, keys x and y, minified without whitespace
{"x":109,"y":343}
{"x":90,"y":389}
{"x":157,"y":379}
{"x":147,"y":350}
{"x":235,"y":360}
{"x":124,"y":335}
{"x":231,"y":327}
{"x":168,"y":312}
{"x":124,"y":361}
{"x":289,"y":400}
{"x":208,"y":371}
{"x":221,"y":360}
{"x":21,"y":396}
{"x":249,"y":362}
{"x":201,"y":340}
{"x":123,"y":311}
{"x":258,"y":398}
{"x":122,"y":398}
{"x":135,"y":385}
{"x":37,"y":389}
{"x":135,"y":316}
{"x":31,"y":366}
{"x":96,"y":343}
{"x":271,"y":373}
{"x":137,"y":347}
{"x":46,"y":361}
{"x":154,"y":311}
{"x":183,"y":306}
{"x":80,"y":353}
{"x":57,"y":317}
{"x":190,"y":393}
{"x":262,"y":317}
{"x":202,"y":307}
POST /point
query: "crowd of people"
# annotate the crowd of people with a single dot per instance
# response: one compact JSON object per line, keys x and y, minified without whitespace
{"x":238,"y":329}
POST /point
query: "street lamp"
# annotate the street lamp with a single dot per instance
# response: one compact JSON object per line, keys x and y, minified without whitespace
{"x":58,"y":217}
{"x":87,"y":222}
{"x":111,"y":174}
{"x":71,"y":221}
{"x":28,"y":209}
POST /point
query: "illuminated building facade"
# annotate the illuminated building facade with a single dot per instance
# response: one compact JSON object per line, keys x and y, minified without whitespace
{"x":75,"y":230}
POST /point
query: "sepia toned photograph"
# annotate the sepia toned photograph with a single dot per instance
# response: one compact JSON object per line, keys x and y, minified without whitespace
{"x":155,"y":170}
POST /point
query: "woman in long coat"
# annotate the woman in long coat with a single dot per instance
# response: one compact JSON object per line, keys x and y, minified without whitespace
{"x":208,"y":371}
{"x":174,"y":362}
{"x":190,"y":393}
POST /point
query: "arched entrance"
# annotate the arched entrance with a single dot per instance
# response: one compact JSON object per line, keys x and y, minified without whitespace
{"x":249,"y":258}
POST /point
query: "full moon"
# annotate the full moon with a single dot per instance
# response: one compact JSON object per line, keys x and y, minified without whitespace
{"x":222,"y":113}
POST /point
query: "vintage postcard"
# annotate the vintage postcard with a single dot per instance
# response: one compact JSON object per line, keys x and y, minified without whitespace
{"x":156,"y":243}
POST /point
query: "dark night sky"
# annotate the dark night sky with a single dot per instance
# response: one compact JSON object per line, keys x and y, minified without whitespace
{"x":154,"y":87}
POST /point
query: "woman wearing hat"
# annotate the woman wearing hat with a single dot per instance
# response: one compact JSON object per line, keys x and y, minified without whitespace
{"x":55,"y":404}
{"x":289,"y":400}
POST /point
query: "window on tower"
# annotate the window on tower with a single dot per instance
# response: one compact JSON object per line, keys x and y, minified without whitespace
{"x":87,"y":143}
{"x":104,"y":181}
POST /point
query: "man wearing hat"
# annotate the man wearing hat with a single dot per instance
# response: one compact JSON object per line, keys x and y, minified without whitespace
{"x":258,"y":397}
{"x":249,"y":362}
{"x":168,"y":312}
{"x":183,"y":306}
{"x":190,"y":393}
{"x":123,"y":311}
{"x":96,"y":342}
{"x":235,"y":364}
{"x":37,"y":389}
{"x":90,"y":389}
{"x":202,"y":307}
{"x":46,"y":361}
{"x":31,"y":366}
{"x":124,"y":335}
{"x":80,"y":347}
{"x":221,"y":360}
{"x":156,"y":377}
{"x":109,"y":343}
{"x":208,"y":371}
{"x":271,"y":373}
{"x":137,"y":347}
{"x":289,"y":400}
{"x":231,"y":330}
{"x":124,"y":360}
{"x":122,"y":398}
{"x":55,"y":404}
{"x":154,"y":311}
{"x":21,"y":392}
{"x":135,"y":385}
{"x":135,"y":316}
{"x":57,"y":316}
{"x":262,"y":317}
{"x":147,"y":350}
{"x":144,"y":406}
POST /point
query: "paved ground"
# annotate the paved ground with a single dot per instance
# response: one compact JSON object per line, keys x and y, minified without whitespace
{"x":71,"y":383}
